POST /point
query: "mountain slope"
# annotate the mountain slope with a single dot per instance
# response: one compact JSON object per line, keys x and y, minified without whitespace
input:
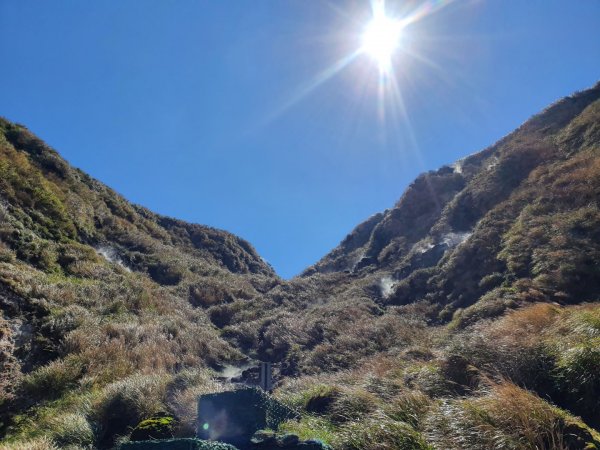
{"x":461,"y":222}
{"x":61,"y":203}
{"x":94,"y":289}
{"x":515,"y":223}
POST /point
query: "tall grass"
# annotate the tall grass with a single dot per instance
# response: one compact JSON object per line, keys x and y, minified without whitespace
{"x":41,"y":443}
{"x":125,"y":403}
{"x":503,"y":417}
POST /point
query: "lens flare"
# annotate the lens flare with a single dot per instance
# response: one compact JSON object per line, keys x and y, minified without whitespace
{"x":387,"y":38}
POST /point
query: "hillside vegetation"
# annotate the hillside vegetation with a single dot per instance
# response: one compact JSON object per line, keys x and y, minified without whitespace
{"x":467,"y":316}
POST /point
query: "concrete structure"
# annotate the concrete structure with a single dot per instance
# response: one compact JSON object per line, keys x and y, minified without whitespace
{"x":266,"y":376}
{"x":234,"y":416}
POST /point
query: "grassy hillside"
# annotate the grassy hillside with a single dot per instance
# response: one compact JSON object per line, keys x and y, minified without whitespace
{"x":514,"y":224}
{"x":101,"y":298}
{"x":464,"y":317}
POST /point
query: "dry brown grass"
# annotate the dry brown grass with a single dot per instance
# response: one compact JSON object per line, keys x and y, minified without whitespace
{"x":524,"y":327}
{"x":512,"y":346}
{"x":503,"y":417}
{"x":42,"y":443}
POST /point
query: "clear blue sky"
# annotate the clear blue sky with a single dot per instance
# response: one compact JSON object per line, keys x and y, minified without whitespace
{"x":194,"y":108}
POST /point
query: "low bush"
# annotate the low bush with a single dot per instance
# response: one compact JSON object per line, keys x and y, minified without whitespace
{"x":157,"y":427}
{"x":321,"y":399}
{"x":53,"y":379}
{"x":505,"y":417}
{"x":549,"y":349}
{"x":41,"y":443}
{"x":310,"y":427}
{"x":71,"y":429}
{"x":166,"y":274}
{"x":409,"y":407}
{"x":429,"y":378}
{"x":6,"y":254}
{"x":352,"y":404}
{"x":577,"y":370}
{"x":126,"y":403}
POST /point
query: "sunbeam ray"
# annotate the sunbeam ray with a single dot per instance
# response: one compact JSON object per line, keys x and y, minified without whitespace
{"x":425,"y":9}
{"x":309,"y":87}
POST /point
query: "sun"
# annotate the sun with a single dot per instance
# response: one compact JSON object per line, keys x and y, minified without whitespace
{"x":381,"y":38}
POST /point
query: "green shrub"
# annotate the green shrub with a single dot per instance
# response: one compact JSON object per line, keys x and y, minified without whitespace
{"x":545,"y":348}
{"x":61,"y":321}
{"x":490,"y":306}
{"x":125,"y":403}
{"x":310,"y":427}
{"x":53,"y":379}
{"x":64,"y":421}
{"x":352,"y":405}
{"x":71,"y":429}
{"x":577,"y":370}
{"x":429,"y":378}
{"x":6,"y":254}
{"x":320,"y":399}
{"x":166,"y":274}
{"x":157,"y":427}
{"x":409,"y":407}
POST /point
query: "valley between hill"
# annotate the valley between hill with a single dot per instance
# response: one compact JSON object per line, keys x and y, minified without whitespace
{"x":466,"y":316}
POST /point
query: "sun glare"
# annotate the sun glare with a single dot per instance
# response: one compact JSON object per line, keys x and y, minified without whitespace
{"x":386,"y":35}
{"x":381,"y":38}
